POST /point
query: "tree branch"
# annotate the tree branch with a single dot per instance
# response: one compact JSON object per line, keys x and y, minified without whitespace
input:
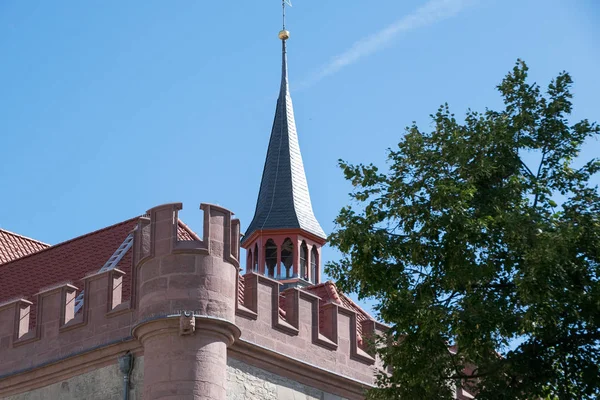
{"x":537,"y":177}
{"x":526,"y":167}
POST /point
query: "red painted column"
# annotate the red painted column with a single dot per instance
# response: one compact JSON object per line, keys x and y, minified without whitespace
{"x":296,"y":266}
{"x":261,"y":255}
{"x":278,"y":267}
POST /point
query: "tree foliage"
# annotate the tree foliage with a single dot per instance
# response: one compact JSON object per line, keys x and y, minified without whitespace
{"x":482,"y":237}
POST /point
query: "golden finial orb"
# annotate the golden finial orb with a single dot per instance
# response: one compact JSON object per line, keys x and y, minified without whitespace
{"x":284,"y":35}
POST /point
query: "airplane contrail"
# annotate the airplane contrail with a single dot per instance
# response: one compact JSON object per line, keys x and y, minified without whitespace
{"x":431,"y":12}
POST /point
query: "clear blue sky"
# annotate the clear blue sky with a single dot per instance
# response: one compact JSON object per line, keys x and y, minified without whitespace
{"x":109,"y":108}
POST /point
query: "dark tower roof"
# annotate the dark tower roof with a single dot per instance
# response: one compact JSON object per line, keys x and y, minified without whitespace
{"x":283,"y":201}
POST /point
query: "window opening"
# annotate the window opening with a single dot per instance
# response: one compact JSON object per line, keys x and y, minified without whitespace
{"x":270,"y":258}
{"x":304,"y":261}
{"x":287,"y":259}
{"x":314,"y":262}
{"x":249,"y":261}
{"x":255,"y":265}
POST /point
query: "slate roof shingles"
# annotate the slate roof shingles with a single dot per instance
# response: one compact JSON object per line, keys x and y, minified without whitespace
{"x":283,"y":200}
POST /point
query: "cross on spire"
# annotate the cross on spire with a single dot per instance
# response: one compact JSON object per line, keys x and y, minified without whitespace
{"x":283,"y":4}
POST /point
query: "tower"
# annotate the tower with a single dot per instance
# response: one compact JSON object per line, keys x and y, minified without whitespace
{"x":284,"y":239}
{"x":186,"y":303}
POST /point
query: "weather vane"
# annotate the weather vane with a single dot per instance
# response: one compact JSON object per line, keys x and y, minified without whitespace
{"x":284,"y":34}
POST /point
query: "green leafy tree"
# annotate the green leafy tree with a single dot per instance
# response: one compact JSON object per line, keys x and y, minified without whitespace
{"x":485,"y":266}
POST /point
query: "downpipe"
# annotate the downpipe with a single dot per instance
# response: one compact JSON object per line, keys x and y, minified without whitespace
{"x":125,"y":366}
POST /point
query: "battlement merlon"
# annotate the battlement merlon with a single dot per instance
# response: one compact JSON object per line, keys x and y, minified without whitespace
{"x":173,"y":277}
{"x":306,"y":328}
{"x":58,"y":330}
{"x":157,"y":235}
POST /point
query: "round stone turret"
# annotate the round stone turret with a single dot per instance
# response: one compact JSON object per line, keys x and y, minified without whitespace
{"x":187,"y":297}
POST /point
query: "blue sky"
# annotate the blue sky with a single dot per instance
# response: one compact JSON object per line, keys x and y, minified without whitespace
{"x":109,"y":108}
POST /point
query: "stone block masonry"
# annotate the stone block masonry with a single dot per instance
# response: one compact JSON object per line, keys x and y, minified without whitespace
{"x":245,"y":382}
{"x":189,"y":312}
{"x":104,"y":383}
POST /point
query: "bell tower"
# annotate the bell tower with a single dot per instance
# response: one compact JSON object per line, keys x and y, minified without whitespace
{"x":284,"y":239}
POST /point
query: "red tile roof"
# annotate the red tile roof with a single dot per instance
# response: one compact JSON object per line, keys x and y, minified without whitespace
{"x":13,"y":246}
{"x":329,"y":293}
{"x":241,"y":287}
{"x":71,"y":261}
{"x":184,"y":232}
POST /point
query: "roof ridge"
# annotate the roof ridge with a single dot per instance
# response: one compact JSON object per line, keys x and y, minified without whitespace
{"x":318,"y":285}
{"x":188,"y":229}
{"x":24,"y":237}
{"x":341,"y":293}
{"x":369,"y":316}
{"x":70,"y":240}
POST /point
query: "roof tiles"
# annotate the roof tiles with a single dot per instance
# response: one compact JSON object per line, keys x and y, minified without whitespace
{"x":13,"y":246}
{"x":71,"y":261}
{"x":328,"y":292}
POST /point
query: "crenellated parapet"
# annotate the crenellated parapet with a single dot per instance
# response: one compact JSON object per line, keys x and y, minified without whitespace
{"x":59,"y":332}
{"x":186,"y":275}
{"x":324,"y":334}
{"x":170,"y":276}
{"x":188,"y":304}
{"x":157,"y":236}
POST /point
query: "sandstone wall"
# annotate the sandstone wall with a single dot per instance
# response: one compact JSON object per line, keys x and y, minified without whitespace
{"x":102,"y":384}
{"x":245,"y":382}
{"x":299,"y":338}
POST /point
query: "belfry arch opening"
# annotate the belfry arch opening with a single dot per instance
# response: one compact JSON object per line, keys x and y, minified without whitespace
{"x":286,"y":267}
{"x":304,"y":261}
{"x":249,"y":261}
{"x":255,"y":259}
{"x":314,"y":264}
{"x":270,"y":258}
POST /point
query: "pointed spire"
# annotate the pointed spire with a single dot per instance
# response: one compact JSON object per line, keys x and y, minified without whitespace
{"x":284,"y":201}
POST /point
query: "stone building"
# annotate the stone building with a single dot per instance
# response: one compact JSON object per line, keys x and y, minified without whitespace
{"x":149,"y":309}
